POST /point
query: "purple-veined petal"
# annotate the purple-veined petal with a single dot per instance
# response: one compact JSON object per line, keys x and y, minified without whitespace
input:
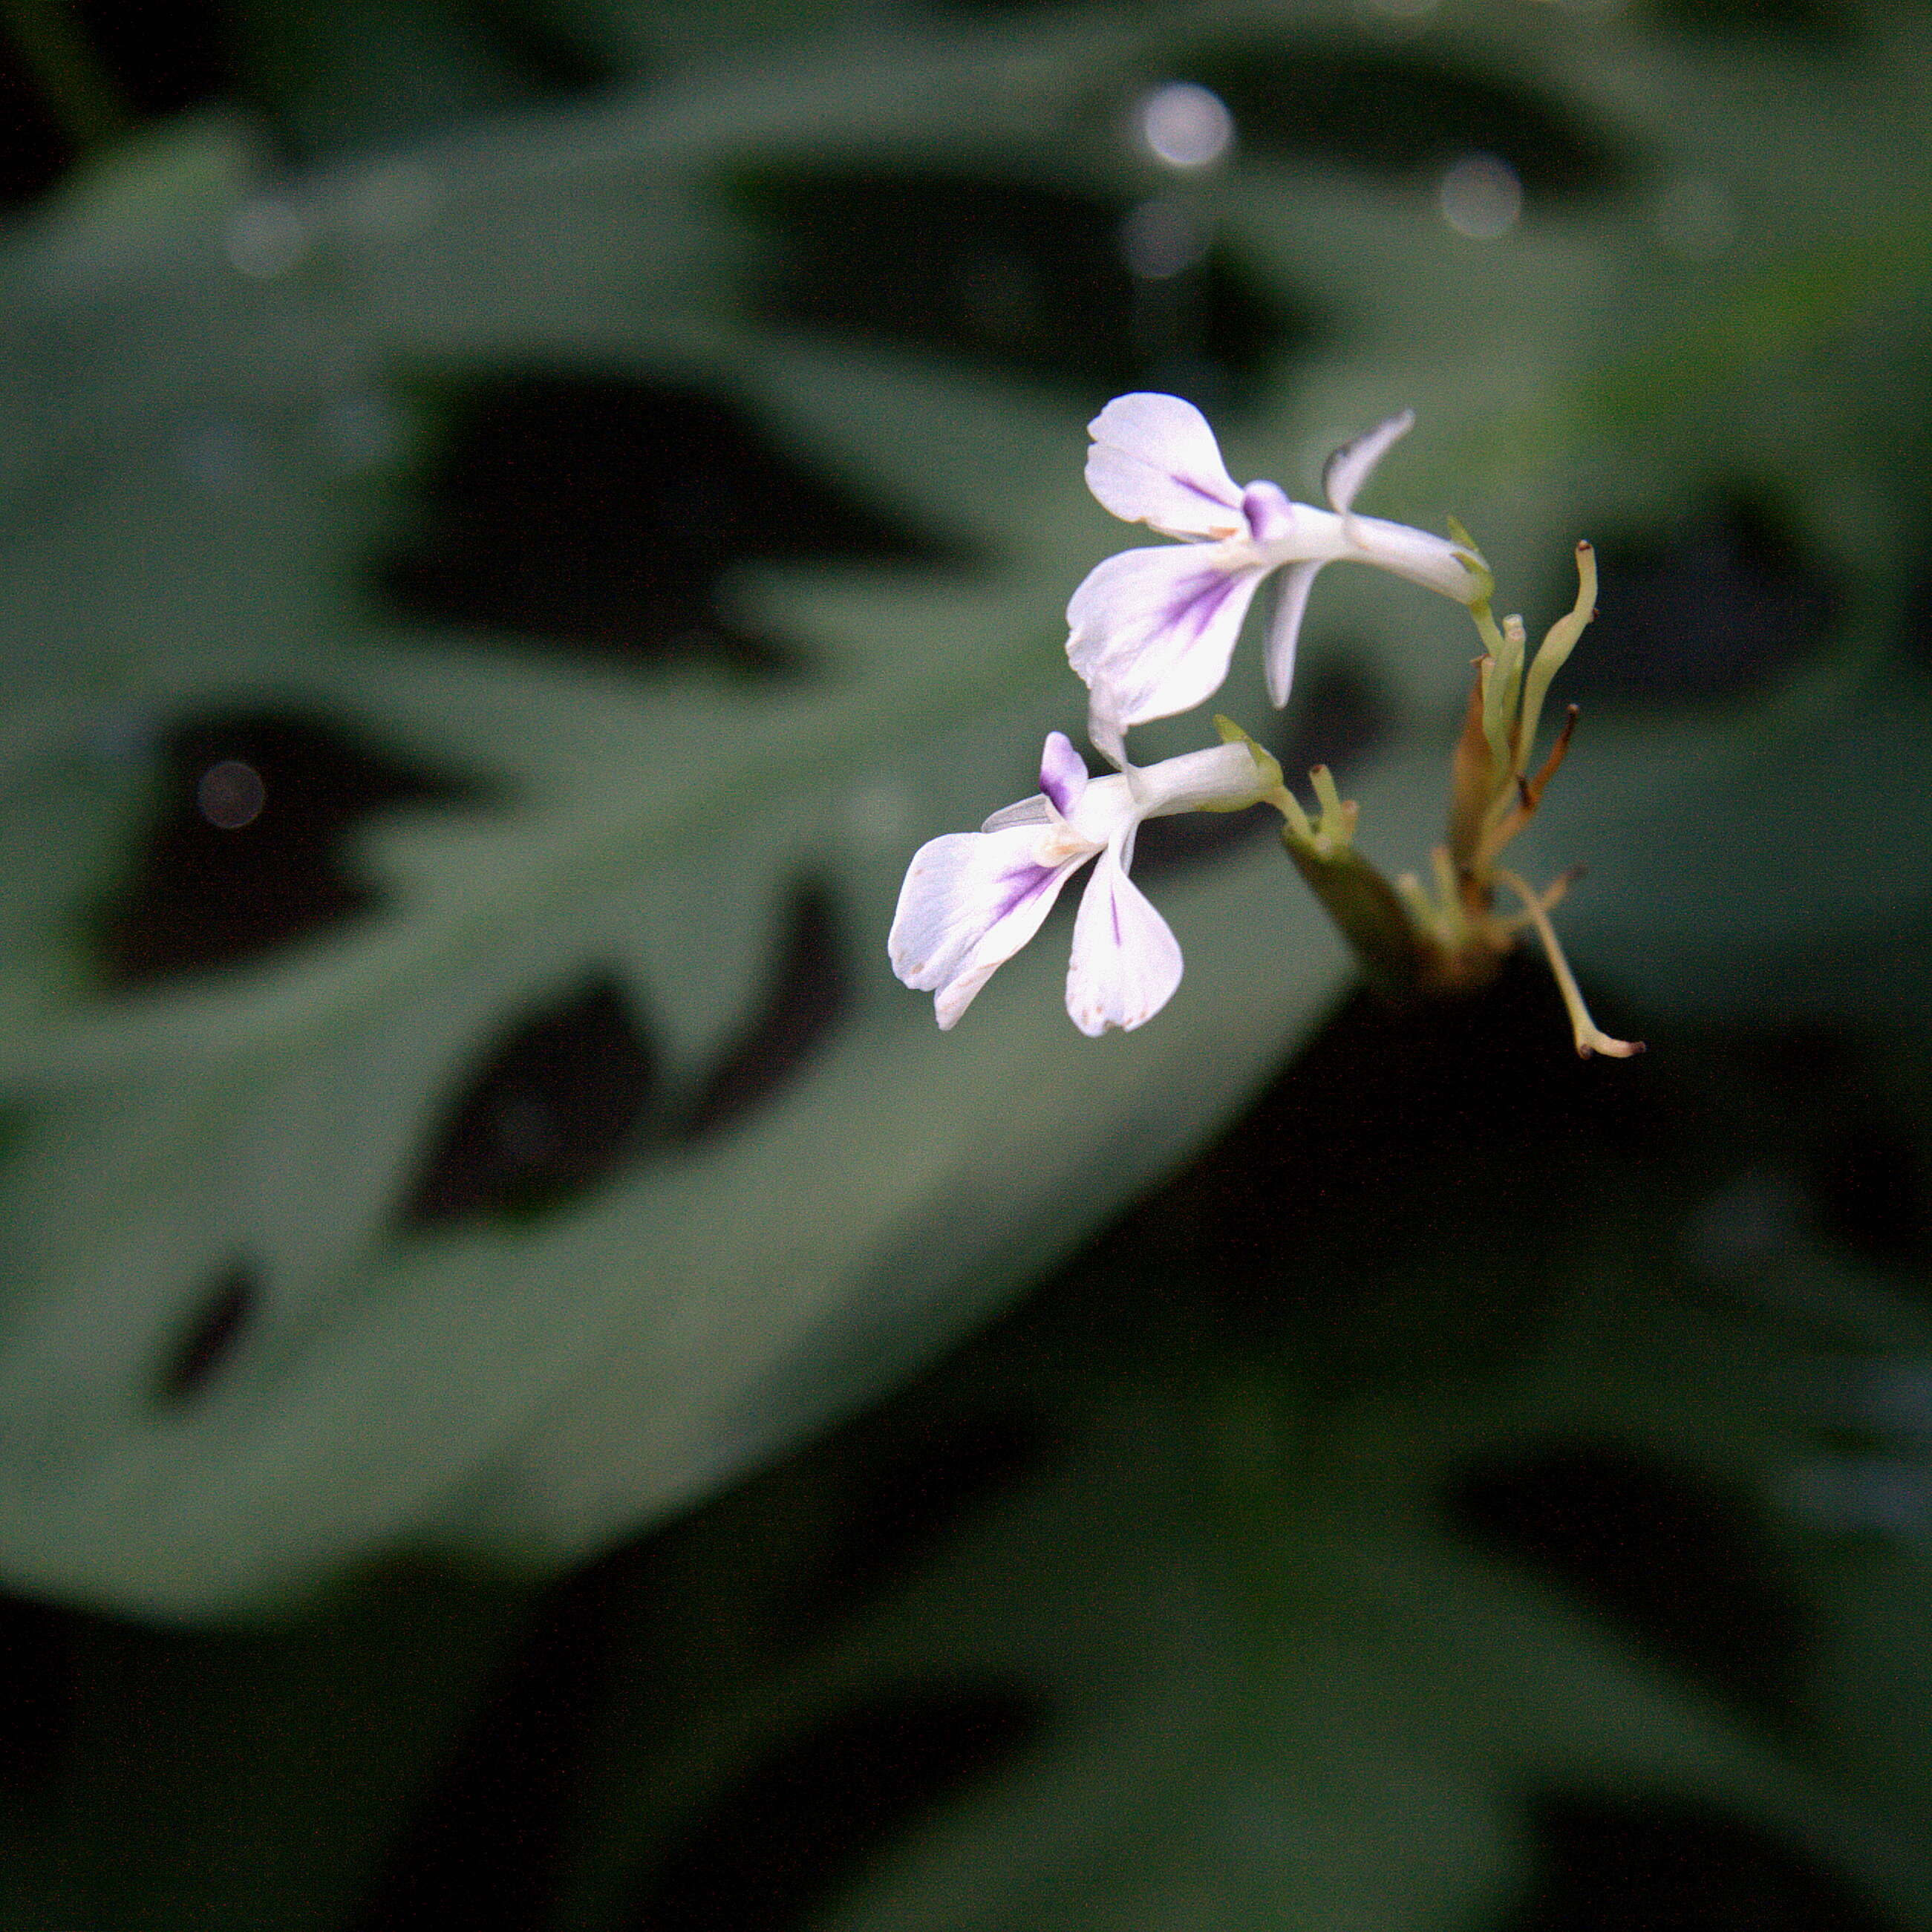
{"x":970,"y":901}
{"x":1155,"y":461}
{"x":1297,"y":580}
{"x":1126,"y":961}
{"x":1063,"y":776}
{"x":1349,"y":468}
{"x":1151,"y":631}
{"x":1062,"y":773}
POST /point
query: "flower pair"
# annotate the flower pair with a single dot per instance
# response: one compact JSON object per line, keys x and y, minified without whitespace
{"x":1150,"y":633}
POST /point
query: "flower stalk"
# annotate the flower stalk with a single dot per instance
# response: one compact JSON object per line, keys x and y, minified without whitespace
{"x":1416,"y":939}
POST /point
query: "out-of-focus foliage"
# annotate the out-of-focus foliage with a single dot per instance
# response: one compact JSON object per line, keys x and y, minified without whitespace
{"x":489,"y":614}
{"x":1525,"y":1527}
{"x":622,"y":762}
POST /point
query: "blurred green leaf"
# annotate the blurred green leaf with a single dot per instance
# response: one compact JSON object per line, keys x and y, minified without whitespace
{"x":215,"y":433}
{"x":1345,"y":1560}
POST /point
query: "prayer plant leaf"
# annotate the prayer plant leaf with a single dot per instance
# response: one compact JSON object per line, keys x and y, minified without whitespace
{"x":318,"y":1238}
{"x":1436,"y":1563}
{"x":1458,"y":1568}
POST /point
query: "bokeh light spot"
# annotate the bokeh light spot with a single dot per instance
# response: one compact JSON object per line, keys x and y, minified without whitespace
{"x":266,"y":238}
{"x":1480,"y":196}
{"x":231,"y":794}
{"x":361,"y":431}
{"x":1185,"y":125}
{"x":396,"y":200}
{"x":880,"y":815}
{"x":218,"y":457}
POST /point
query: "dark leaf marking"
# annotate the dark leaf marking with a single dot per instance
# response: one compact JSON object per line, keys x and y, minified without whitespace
{"x":1914,"y":630}
{"x":225,"y":874}
{"x":539,"y":42}
{"x":37,"y":1693}
{"x":1868,"y":1175}
{"x":97,"y":68}
{"x":35,"y":150}
{"x":774,"y":1849}
{"x":1824,"y":23}
{"x":1718,"y":607}
{"x":1685,"y":1568}
{"x":1030,"y":278}
{"x":558,"y":1104}
{"x":811,"y":989}
{"x":1401,"y":114}
{"x":1338,"y":715}
{"x":910,"y":1484}
{"x":485,"y":1848}
{"x":160,"y":60}
{"x":1440,"y":1123}
{"x":1672,"y":1864}
{"x":603,"y":513}
{"x":210,"y":1336}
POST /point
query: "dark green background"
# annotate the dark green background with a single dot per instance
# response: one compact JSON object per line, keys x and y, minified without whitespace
{"x":536,"y":1390}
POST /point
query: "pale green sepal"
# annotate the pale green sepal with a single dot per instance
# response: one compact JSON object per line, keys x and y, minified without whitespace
{"x":1477,"y":564}
{"x":1267,"y":766}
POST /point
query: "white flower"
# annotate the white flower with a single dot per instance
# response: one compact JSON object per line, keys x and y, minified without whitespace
{"x":1152,"y":630}
{"x":972,"y":899}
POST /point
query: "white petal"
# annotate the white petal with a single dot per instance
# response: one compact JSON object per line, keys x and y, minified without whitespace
{"x":1329,"y":536}
{"x":1126,"y":962}
{"x":1432,"y":562}
{"x":1155,"y":461}
{"x":1108,"y":734}
{"x":1297,"y":580}
{"x":1108,"y":807}
{"x":1348,"y":469}
{"x":1034,"y":811}
{"x":970,"y":901}
{"x":1152,"y":630}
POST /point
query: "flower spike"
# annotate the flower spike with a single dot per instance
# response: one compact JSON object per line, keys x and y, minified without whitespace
{"x":1151,"y":632}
